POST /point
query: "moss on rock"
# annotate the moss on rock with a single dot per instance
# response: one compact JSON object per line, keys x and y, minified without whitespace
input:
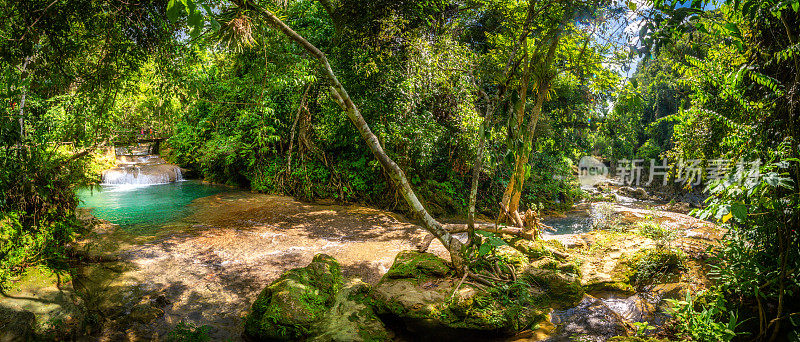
{"x":568,"y":267}
{"x":409,"y":291}
{"x":286,"y":309}
{"x":351,"y":318}
{"x":562,"y":290}
{"x":636,"y":339}
{"x":537,"y":249}
{"x":511,"y":256}
{"x":647,"y":264}
{"x":610,"y":286}
{"x":412,"y":264}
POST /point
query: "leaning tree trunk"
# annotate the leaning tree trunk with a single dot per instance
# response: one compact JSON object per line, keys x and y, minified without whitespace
{"x":396,"y":174}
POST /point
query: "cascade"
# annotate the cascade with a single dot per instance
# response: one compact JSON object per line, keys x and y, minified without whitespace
{"x":137,"y":167}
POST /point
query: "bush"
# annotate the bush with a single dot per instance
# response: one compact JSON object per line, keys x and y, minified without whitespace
{"x":709,"y":322}
{"x":37,"y":208}
{"x":663,"y":236}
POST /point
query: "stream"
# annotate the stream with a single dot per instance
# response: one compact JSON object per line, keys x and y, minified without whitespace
{"x":198,"y":254}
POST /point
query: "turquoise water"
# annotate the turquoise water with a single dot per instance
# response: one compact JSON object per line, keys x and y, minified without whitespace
{"x":144,"y":209}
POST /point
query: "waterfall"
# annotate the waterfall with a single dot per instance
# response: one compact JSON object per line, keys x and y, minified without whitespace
{"x":142,"y":170}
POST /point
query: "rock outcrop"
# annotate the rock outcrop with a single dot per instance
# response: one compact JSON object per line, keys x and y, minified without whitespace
{"x":314,"y":303}
{"x":418,"y":291}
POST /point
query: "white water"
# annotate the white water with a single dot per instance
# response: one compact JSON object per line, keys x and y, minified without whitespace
{"x":142,"y":170}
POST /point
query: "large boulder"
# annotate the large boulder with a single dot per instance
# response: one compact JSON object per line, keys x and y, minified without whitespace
{"x":562,"y":289}
{"x":591,"y":320}
{"x":410,"y":264}
{"x":418,"y":291}
{"x":351,"y":318}
{"x":313,"y":303}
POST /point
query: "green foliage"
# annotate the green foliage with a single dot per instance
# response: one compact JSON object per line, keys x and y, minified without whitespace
{"x":60,"y":73}
{"x":643,"y":329}
{"x":489,"y":244}
{"x":184,"y":332}
{"x":653,"y":230}
{"x":37,"y":208}
{"x":651,"y":265}
{"x":759,"y":258}
{"x":705,"y":321}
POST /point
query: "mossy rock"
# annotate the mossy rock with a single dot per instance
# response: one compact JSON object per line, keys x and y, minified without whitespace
{"x":618,"y":286}
{"x":288,"y":308}
{"x":468,"y":309}
{"x":412,"y":264}
{"x":351,"y":318}
{"x":562,"y":290}
{"x":511,"y":256}
{"x":420,"y":296}
{"x":569,"y":267}
{"x":645,"y":265}
{"x":537,"y":249}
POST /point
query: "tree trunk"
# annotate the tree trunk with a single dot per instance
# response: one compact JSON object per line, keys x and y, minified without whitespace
{"x":291,"y":135}
{"x":396,"y":174}
{"x":22,"y":103}
{"x":476,"y":169}
{"x":513,"y":193}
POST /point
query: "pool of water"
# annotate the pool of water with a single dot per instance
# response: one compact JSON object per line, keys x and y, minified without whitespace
{"x":571,"y":224}
{"x":143,"y":209}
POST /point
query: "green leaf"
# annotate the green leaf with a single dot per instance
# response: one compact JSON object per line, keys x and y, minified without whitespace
{"x":196,"y":23}
{"x":484,"y":249}
{"x":772,"y":179}
{"x":496,"y":242}
{"x":484,"y":233}
{"x":734,"y":30}
{"x":739,"y":211}
{"x":174,"y":8}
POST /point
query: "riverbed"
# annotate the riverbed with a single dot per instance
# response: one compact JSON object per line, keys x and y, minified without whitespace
{"x":198,"y":254}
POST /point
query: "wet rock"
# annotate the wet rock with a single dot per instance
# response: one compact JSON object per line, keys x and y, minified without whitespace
{"x":16,"y":326}
{"x":591,"y":320}
{"x":312,"y":303}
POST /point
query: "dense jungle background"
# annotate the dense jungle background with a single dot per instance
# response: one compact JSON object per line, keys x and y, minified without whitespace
{"x":505,"y":93}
